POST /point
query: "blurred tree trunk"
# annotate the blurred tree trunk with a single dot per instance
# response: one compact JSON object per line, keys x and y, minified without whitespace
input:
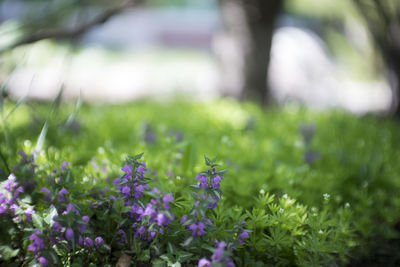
{"x":244,"y":48}
{"x":383,"y":21}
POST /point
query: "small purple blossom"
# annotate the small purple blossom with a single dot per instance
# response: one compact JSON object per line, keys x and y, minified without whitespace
{"x":162,"y":219}
{"x":142,"y":169}
{"x":98,"y":241}
{"x":69,"y":234}
{"x":204,"y":263}
{"x":215,"y":181}
{"x":64,"y":165}
{"x":243,"y":236}
{"x":166,"y":200}
{"x":28,"y":213}
{"x":10,"y":184}
{"x":151,"y":236}
{"x":42,"y":261}
{"x":13,"y":208}
{"x":80,"y":240}
{"x":126,"y":190}
{"x":128,"y":169}
{"x":183,"y":219}
{"x":85,"y":218}
{"x":48,"y":193}
{"x":38,"y":242}
{"x":123,"y":235}
{"x":3,"y":208}
{"x":81,"y":228}
{"x":57,"y":227}
{"x":61,"y":194}
{"x":219,"y":252}
{"x":88,"y":242}
{"x":203,"y":181}
{"x":140,"y":232}
{"x":71,"y":207}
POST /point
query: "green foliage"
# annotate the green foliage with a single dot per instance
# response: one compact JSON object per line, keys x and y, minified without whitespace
{"x":338,"y":208}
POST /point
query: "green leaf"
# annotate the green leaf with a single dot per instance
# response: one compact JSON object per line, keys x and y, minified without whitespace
{"x":7,"y":253}
{"x":188,"y":158}
{"x":37,"y":221}
{"x":49,"y":218}
{"x":170,"y":249}
{"x":41,"y":138}
{"x":184,"y":256}
{"x":187,"y":241}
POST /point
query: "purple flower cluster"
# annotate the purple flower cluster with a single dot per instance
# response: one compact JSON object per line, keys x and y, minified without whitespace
{"x":76,"y":232}
{"x":10,"y":192}
{"x":131,"y":184}
{"x":211,"y":175}
{"x":149,"y":218}
{"x":157,"y":213}
{"x":37,"y":246}
{"x":220,"y":256}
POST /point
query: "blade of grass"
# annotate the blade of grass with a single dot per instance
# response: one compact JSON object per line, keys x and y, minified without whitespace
{"x":43,"y":132}
{"x":72,"y":117}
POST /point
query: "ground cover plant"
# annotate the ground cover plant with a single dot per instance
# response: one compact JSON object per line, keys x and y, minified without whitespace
{"x":283,"y":187}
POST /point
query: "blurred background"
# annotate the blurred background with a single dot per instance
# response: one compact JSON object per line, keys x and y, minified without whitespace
{"x":320,"y":53}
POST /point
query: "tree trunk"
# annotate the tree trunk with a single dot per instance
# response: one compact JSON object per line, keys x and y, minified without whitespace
{"x":245,"y":46}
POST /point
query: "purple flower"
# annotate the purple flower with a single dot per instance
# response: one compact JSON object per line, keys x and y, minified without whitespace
{"x":140,"y":232}
{"x":3,"y":208}
{"x":151,"y":236}
{"x":200,"y":229}
{"x":193,"y":228}
{"x":123,"y":235}
{"x":204,"y":263}
{"x":203,"y":181}
{"x":64,"y":165}
{"x":85,"y":218}
{"x":150,"y":211}
{"x":139,"y":189}
{"x":38,"y":242}
{"x":42,"y":261}
{"x":155,"y":190}
{"x":69,"y":234}
{"x":142,"y":169}
{"x":183,"y":219}
{"x":80,"y":240}
{"x":243,"y":236}
{"x":214,"y":203}
{"x":23,"y":155}
{"x":28,"y":213}
{"x":57,"y":227}
{"x":98,"y":241}
{"x":47,"y":191}
{"x":126,"y":190}
{"x":10,"y":184}
{"x":166,"y":200}
{"x":88,"y":242}
{"x":215,"y":181}
{"x":162,"y":219}
{"x":61,"y":194}
{"x":13,"y":208}
{"x":70,"y":208}
{"x":128,"y":169}
{"x":219,"y":252}
{"x":81,"y":228}
{"x":19,"y":190}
